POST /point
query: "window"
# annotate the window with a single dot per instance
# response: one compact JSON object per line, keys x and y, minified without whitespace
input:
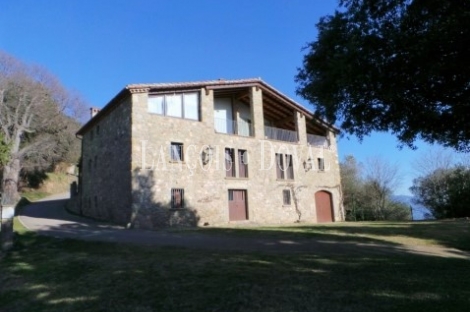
{"x":321,"y":164}
{"x":242,"y":164}
{"x":229,"y":162}
{"x":98,"y":130}
{"x":176,"y":151}
{"x":290,"y":167}
{"x":155,"y":105}
{"x":181,"y":105}
{"x":232,"y":164}
{"x":286,"y":197}
{"x":177,"y":198}
{"x":191,"y":106}
{"x":280,"y":166}
{"x":96,"y":161}
{"x":90,"y":164}
{"x":174,"y":105}
{"x":284,"y":167}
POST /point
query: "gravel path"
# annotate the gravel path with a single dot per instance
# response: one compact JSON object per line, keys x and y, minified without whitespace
{"x":49,"y":217}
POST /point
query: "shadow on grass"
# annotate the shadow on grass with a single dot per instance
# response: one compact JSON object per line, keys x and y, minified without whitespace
{"x":47,"y":274}
{"x":449,"y":234}
{"x":353,"y":239}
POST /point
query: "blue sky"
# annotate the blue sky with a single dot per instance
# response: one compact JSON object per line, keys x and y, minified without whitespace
{"x":97,"y":47}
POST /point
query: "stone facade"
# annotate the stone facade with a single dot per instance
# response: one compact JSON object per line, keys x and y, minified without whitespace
{"x":127,"y":172}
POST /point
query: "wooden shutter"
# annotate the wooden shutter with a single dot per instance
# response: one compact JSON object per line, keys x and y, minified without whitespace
{"x":279,"y":166}
{"x":229,"y":163}
{"x":242,"y":164}
{"x":290,"y":167}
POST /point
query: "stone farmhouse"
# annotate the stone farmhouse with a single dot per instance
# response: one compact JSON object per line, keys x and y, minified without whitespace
{"x":207,"y":153}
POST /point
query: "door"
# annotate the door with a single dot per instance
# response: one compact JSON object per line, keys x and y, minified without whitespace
{"x":324,"y":207}
{"x":223,"y":115}
{"x":237,"y":209}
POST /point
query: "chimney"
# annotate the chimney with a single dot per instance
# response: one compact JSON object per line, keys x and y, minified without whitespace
{"x":93,"y":112}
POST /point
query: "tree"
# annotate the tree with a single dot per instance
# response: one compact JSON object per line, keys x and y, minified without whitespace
{"x":445,"y":192}
{"x":4,"y":151}
{"x":352,"y":186}
{"x":393,"y":65}
{"x":368,"y":190}
{"x":382,"y":179}
{"x":36,"y":117}
{"x":432,"y":160}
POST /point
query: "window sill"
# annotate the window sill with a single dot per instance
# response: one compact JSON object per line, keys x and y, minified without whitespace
{"x":236,"y":135}
{"x":174,"y":117}
{"x":235,"y":178}
{"x":177,"y":162}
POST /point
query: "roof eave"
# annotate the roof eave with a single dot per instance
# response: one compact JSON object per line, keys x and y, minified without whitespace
{"x":115,"y":101}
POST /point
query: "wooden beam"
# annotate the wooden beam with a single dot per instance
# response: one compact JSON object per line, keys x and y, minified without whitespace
{"x":284,"y":120}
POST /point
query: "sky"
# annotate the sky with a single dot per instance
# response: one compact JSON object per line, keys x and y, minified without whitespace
{"x":97,"y":47}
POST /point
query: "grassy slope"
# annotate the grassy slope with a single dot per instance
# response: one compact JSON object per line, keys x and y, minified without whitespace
{"x":46,"y":274}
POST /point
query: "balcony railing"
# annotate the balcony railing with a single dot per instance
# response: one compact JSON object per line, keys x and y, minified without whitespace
{"x":318,"y":140}
{"x":280,"y":134}
{"x":240,"y":127}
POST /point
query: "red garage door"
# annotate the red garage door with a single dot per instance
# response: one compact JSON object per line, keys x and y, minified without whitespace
{"x":324,"y":207}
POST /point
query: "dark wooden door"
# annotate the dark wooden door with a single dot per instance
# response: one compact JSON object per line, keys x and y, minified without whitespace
{"x":324,"y":207}
{"x":237,"y":205}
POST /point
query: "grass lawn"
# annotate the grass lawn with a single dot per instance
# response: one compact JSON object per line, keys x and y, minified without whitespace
{"x":47,"y":274}
{"x":450,"y":234}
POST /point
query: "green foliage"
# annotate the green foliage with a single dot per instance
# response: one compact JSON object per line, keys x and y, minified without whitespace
{"x":445,"y":192}
{"x":367,"y":197}
{"x":4,"y":151}
{"x":393,"y":65}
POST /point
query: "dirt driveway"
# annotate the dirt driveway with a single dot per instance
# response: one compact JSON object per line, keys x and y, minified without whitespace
{"x":49,"y":217}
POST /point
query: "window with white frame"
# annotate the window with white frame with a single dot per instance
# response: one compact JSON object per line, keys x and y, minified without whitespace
{"x":181,"y":105}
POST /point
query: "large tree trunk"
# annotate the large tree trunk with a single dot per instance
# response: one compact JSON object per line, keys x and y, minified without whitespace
{"x":11,"y":174}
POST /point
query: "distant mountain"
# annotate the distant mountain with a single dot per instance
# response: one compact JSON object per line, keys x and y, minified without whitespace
{"x":419,"y":212}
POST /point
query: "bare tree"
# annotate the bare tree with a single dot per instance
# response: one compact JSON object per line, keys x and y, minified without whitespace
{"x":35,"y":112}
{"x":381,"y":180}
{"x":433,"y":159}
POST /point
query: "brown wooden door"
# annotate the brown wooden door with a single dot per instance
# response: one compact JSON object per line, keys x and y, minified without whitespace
{"x":237,"y":205}
{"x":324,"y":207}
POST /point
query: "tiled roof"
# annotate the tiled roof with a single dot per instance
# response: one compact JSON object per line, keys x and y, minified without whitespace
{"x":204,"y":83}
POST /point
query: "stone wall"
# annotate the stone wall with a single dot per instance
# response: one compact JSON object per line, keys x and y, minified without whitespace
{"x":205,"y":186}
{"x":105,"y":190}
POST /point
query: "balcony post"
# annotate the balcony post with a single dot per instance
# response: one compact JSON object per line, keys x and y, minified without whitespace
{"x":331,"y":140}
{"x":301,"y":127}
{"x":207,"y":107}
{"x":256,"y":106}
